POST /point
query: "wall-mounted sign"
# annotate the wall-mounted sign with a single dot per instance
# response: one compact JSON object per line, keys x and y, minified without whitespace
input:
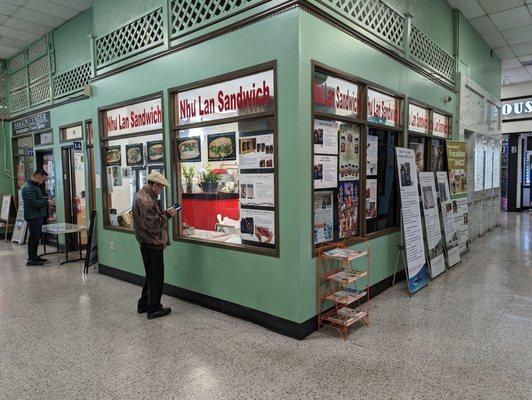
{"x":33,"y":123}
{"x":418,"y":119}
{"x":517,"y":109}
{"x":441,"y":125}
{"x":335,"y":96}
{"x":242,"y":96}
{"x":382,"y":108}
{"x":133,"y":118}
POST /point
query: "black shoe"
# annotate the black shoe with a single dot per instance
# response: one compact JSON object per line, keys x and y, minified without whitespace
{"x":161,"y":312}
{"x":142,"y":310}
{"x":34,"y":263}
{"x":40,"y":259}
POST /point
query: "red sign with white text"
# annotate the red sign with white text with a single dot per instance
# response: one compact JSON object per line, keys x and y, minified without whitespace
{"x":134,"y":118}
{"x":247,"y":95}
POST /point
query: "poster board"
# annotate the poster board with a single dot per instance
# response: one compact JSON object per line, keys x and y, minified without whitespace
{"x":431,"y":224}
{"x":447,"y":217}
{"x":416,"y":266}
{"x":91,"y":255}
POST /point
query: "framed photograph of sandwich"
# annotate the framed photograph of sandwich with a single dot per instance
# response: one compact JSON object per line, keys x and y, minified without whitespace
{"x":221,"y":146}
{"x":113,"y":155}
{"x":155,"y":152}
{"x":134,"y":154}
{"x":189,"y":149}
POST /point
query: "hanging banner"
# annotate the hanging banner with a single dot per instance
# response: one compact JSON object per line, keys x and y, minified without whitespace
{"x":416,"y":266}
{"x":461,"y":220}
{"x":457,"y":167}
{"x":447,"y":216}
{"x":431,"y":222}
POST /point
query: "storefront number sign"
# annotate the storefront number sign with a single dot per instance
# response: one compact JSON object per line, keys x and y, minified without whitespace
{"x":416,"y":266}
{"x":134,"y":118}
{"x":31,"y":123}
{"x":440,"y":125}
{"x":382,"y":108}
{"x":418,"y":119}
{"x":246,"y":95}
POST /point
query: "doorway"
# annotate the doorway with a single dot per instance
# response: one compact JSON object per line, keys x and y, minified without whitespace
{"x":74,"y":188}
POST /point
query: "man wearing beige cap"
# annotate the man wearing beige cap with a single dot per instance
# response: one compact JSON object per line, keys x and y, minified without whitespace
{"x":150,"y":224}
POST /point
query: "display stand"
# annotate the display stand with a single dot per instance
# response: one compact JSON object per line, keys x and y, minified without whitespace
{"x":340,"y":293}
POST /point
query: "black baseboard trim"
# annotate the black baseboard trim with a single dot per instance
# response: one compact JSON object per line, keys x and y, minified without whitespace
{"x":280,"y":325}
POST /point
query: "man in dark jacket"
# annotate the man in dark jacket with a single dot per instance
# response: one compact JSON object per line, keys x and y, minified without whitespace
{"x":35,"y":206}
{"x":150,"y":224}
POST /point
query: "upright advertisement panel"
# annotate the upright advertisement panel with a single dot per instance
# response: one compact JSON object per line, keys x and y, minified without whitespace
{"x":447,"y":217}
{"x":431,"y":222}
{"x":416,"y":266}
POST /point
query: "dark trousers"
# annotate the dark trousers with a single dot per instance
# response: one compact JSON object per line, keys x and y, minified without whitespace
{"x":153,"y":285}
{"x":35,"y":230}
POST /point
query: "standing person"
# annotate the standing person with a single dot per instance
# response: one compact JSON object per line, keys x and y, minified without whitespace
{"x":35,"y":206}
{"x":150,"y":223}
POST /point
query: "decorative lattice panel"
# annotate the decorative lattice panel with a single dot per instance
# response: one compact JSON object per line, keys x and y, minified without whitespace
{"x":425,"y":50}
{"x":72,"y":80}
{"x":40,"y":92}
{"x":39,"y":69}
{"x":18,"y":100}
{"x":38,"y":48}
{"x":16,"y":62}
{"x":192,"y":14}
{"x":375,"y":16}
{"x":139,"y":35}
{"x":18,"y":80}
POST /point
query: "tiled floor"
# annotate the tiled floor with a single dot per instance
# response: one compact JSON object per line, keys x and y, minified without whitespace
{"x":467,"y":336}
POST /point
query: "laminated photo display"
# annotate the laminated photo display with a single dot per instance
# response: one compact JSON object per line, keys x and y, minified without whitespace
{"x":325,"y":172}
{"x":348,"y":201}
{"x":372,"y":155}
{"x":256,"y":151}
{"x":257,"y":190}
{"x":323,"y":217}
{"x":371,"y":198}
{"x":325,"y":137}
{"x":349,"y":137}
{"x":431,"y":222}
{"x":416,"y":266}
{"x":257,"y":226}
{"x":447,"y":216}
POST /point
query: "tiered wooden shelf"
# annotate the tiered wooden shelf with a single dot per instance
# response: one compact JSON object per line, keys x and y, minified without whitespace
{"x":343,"y":285}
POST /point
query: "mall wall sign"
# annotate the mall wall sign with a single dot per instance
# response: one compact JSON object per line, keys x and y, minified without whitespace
{"x":32,"y":123}
{"x":517,"y":109}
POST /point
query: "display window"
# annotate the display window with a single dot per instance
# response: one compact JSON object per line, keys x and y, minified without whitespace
{"x":225,"y":161}
{"x":71,"y":132}
{"x":354,"y":188}
{"x":132,"y":146}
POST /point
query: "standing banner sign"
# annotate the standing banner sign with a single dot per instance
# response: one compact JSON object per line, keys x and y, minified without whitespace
{"x":457,"y":167}
{"x":447,"y":217}
{"x":416,"y":266}
{"x":431,"y":222}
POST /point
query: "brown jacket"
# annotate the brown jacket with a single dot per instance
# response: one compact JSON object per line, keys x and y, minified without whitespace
{"x":149,"y":220}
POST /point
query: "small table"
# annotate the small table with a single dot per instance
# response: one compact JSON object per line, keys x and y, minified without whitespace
{"x":66,"y":229}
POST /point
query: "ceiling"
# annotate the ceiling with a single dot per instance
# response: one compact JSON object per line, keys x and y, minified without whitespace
{"x":506,"y":25}
{"x":23,"y":21}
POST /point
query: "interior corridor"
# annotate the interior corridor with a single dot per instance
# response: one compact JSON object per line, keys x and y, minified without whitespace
{"x":468,"y":335}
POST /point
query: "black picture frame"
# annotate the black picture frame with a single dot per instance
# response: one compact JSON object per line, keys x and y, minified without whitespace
{"x":192,"y":157}
{"x":110,"y":150}
{"x":159,"y":158}
{"x":230,"y":136}
{"x":140,"y":148}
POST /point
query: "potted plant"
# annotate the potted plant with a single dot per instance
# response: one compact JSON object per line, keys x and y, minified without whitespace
{"x":209,"y":180}
{"x":188,"y":175}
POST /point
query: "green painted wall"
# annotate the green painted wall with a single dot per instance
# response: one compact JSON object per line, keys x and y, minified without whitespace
{"x":476,"y":60}
{"x":353,"y":57}
{"x":72,"y":42}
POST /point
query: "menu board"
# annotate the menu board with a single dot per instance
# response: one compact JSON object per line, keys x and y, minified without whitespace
{"x":418,"y":119}
{"x":431,"y":223}
{"x":488,"y":165}
{"x":371,"y":198}
{"x":257,"y":190}
{"x":372,"y":155}
{"x":349,"y":137}
{"x":323,"y":216}
{"x":325,"y":172}
{"x":479,"y":163}
{"x":325,"y":137}
{"x":457,"y":165}
{"x":348,"y":202}
{"x":257,"y":225}
{"x":416,"y":266}
{"x":257,"y":151}
{"x":447,"y":216}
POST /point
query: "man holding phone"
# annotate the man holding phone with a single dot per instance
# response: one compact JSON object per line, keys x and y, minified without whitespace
{"x":150,"y":225}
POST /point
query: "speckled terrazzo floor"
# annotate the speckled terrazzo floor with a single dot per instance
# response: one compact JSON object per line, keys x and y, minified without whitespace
{"x":467,"y":336}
